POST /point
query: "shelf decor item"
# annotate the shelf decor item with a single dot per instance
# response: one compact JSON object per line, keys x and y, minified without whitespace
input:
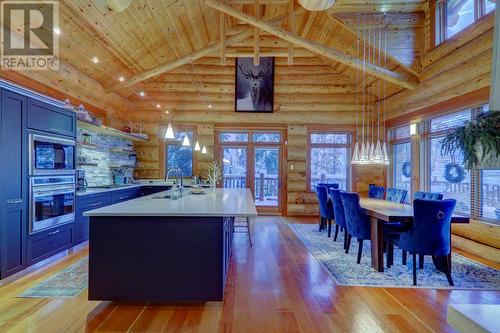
{"x":478,"y":140}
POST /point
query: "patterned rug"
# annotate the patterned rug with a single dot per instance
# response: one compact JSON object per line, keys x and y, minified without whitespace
{"x":68,"y":282}
{"x":466,"y":273}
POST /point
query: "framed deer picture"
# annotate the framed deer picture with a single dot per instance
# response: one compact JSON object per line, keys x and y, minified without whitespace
{"x":254,"y":85}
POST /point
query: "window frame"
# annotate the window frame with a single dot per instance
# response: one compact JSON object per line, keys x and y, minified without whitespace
{"x":394,"y":141}
{"x":311,"y":145}
{"x":194,"y":159}
{"x":439,"y":16}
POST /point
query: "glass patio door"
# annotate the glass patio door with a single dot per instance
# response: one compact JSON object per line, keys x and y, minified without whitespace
{"x":253,"y":159}
{"x":234,"y":167}
{"x":267,"y":176}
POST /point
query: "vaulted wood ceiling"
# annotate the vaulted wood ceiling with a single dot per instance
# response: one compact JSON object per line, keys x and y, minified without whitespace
{"x":152,"y":32}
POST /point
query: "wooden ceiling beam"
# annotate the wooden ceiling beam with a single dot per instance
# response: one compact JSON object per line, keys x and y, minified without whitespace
{"x":382,"y":73}
{"x":389,"y":56}
{"x":237,"y":34}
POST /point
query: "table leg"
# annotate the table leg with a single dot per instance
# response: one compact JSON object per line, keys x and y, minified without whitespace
{"x":377,"y":244}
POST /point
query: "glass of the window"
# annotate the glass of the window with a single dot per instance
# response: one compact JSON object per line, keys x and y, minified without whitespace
{"x":267,"y":137}
{"x":329,"y":165}
{"x":333,"y":138}
{"x":490,"y":194}
{"x":489,"y":6}
{"x":402,"y":167}
{"x":233,"y":137}
{"x":448,"y":176}
{"x":459,"y":15}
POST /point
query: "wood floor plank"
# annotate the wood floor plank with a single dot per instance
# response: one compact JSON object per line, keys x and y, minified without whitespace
{"x":274,"y":286}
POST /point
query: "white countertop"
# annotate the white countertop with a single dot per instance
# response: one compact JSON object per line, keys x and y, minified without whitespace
{"x":474,"y":317}
{"x":95,"y":190}
{"x":218,"y":202}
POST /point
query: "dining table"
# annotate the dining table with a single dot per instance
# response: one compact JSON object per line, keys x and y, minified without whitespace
{"x":380,"y":211}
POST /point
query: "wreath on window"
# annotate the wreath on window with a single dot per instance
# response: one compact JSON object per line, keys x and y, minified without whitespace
{"x":454,"y":173}
{"x":406,"y":169}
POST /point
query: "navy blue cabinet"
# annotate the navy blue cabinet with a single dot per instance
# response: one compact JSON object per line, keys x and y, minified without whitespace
{"x":50,"y":118}
{"x":13,"y":182}
{"x":45,"y":244}
{"x":147,"y":190}
{"x":85,"y":203}
{"x":124,"y":195}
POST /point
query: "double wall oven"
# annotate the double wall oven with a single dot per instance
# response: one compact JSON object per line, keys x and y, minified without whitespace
{"x":52,"y":181}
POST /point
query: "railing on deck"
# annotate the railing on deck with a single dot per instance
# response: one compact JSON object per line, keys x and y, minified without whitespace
{"x":266,"y":186}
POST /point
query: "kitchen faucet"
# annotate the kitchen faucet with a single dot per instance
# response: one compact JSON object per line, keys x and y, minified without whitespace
{"x":180,"y":176}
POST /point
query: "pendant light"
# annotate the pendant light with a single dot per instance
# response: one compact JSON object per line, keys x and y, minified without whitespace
{"x":169,"y":134}
{"x":197,"y":146}
{"x":186,"y":142}
{"x":370,"y":148}
{"x":204,"y":150}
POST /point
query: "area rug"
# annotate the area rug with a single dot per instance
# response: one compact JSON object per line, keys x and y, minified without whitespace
{"x":68,"y":282}
{"x":466,"y":273}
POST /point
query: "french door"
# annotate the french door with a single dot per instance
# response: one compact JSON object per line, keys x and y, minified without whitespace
{"x":254,"y":160}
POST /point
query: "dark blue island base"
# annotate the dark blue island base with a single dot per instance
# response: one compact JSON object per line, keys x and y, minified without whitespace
{"x":146,"y":258}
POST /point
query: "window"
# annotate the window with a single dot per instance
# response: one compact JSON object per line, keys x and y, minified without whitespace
{"x":179,"y":156}
{"x":453,"y":16}
{"x":477,"y":192}
{"x":490,"y":194}
{"x":329,"y":159}
{"x":401,"y":158}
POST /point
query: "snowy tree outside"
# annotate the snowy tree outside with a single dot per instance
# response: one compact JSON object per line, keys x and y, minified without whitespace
{"x":179,"y":156}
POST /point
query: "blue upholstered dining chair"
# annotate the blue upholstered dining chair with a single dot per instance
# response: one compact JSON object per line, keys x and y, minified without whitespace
{"x":325,"y":209}
{"x":376,"y":192}
{"x":358,"y":223}
{"x":330,"y":185}
{"x":338,"y":209}
{"x":396,"y":195}
{"x":430,"y":232}
{"x":428,"y":195}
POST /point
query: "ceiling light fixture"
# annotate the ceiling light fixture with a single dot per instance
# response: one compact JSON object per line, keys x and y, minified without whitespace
{"x":186,"y":142}
{"x":169,"y":134}
{"x":57,"y":31}
{"x":158,"y":106}
{"x":95,"y":60}
{"x":204,"y":150}
{"x":121,"y":79}
{"x":209,"y":106}
{"x":197,"y":146}
{"x":142,"y":93}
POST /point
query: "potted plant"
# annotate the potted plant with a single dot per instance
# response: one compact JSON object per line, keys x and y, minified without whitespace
{"x":478,"y":140}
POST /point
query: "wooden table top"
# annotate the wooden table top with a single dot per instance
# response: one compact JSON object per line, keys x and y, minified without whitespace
{"x":396,"y":212}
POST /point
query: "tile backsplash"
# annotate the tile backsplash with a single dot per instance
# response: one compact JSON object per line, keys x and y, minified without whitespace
{"x":102,"y":156}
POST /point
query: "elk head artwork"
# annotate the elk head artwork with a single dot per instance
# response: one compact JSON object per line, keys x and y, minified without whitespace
{"x":254,"y":85}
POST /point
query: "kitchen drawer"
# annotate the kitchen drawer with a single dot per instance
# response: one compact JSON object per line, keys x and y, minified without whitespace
{"x":47,"y":243}
{"x":92,"y":201}
{"x":50,"y":118}
{"x":124,"y":195}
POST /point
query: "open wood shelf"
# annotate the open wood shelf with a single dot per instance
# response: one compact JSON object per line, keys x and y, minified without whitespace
{"x":105,"y":130}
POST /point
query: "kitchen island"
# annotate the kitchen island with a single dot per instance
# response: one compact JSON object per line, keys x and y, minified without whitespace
{"x":157,"y":249}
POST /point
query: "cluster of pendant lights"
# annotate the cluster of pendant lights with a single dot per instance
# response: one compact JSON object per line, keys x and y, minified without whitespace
{"x":371,"y":150}
{"x":169,"y":135}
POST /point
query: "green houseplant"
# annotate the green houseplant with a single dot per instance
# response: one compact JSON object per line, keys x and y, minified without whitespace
{"x":478,"y":140}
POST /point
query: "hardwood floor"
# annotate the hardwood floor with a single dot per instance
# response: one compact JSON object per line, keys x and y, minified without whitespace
{"x":274,"y":286}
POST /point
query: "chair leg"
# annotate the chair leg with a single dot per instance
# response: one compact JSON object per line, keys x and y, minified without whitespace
{"x":360,"y":250}
{"x":348,"y":245}
{"x":404,"y":257}
{"x":336,"y":232}
{"x":414,"y":269}
{"x":249,"y":232}
{"x":420,"y":261}
{"x":329,"y":228}
{"x":448,"y":271}
{"x":320,"y":223}
{"x":390,"y":254}
{"x":345,"y":238}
